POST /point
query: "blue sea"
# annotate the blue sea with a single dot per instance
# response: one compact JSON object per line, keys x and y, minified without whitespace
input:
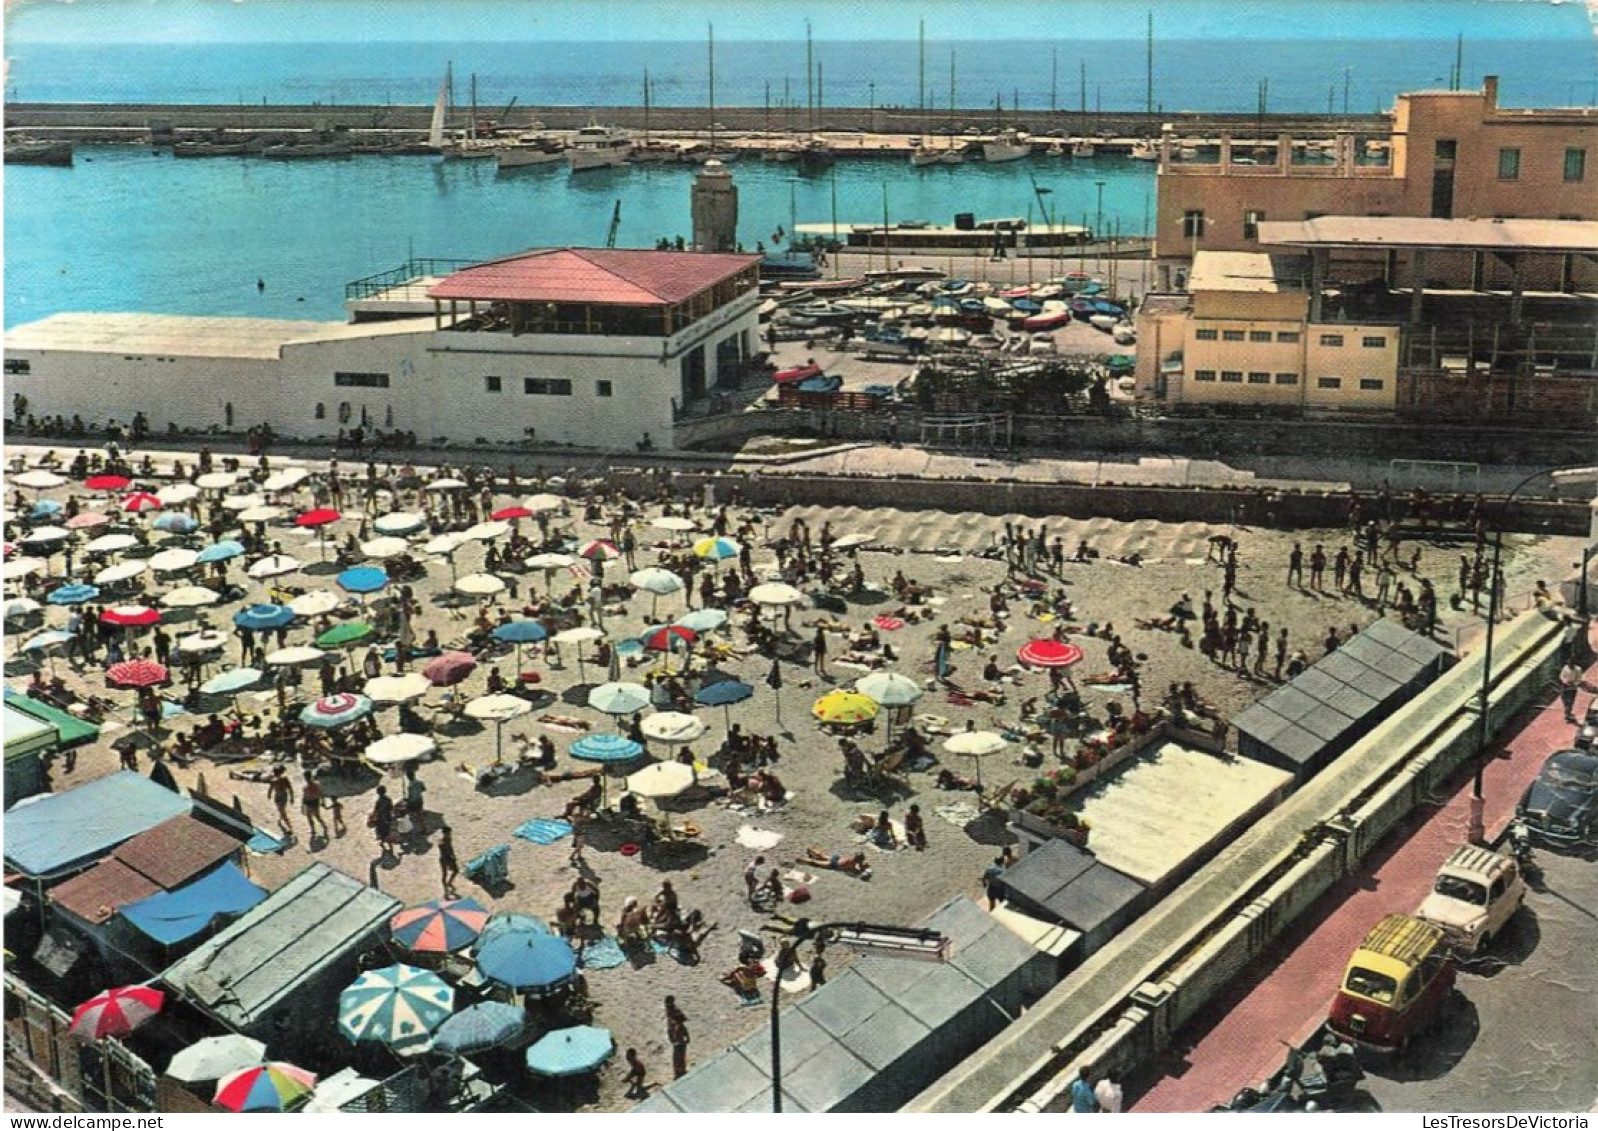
{"x":126,"y":230}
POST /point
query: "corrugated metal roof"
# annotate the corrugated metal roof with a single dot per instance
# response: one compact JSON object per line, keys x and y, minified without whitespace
{"x":96,"y":894}
{"x":176,"y":851}
{"x":607,"y":276}
{"x":1512,"y":234}
{"x":54,"y":833}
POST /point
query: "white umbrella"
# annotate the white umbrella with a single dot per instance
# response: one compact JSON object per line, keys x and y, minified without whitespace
{"x":42,"y":535}
{"x":242,"y":502}
{"x":850,"y":541}
{"x":486,"y":531}
{"x":314,"y":603}
{"x":660,"y":582}
{"x":122,"y":571}
{"x":21,"y":567}
{"x":397,"y":688}
{"x":20,"y":607}
{"x":110,"y":544}
{"x":550,"y":561}
{"x":582,"y":634}
{"x":283,"y":480}
{"x":673,"y":522}
{"x":190,"y":597}
{"x":543,"y":502}
{"x":445,"y":484}
{"x":976,"y":745}
{"x":400,"y":748}
{"x":174,"y":493}
{"x":273,"y":565}
{"x":661,"y":779}
{"x":210,"y":640}
{"x":380,"y":548}
{"x":295,"y":656}
{"x":264,"y":513}
{"x":217,"y":480}
{"x":214,"y":1057}
{"x":479,"y":585}
{"x":889,"y":689}
{"x":399,"y":522}
{"x":775,"y":593}
{"x":174,"y":561}
{"x":38,"y":480}
{"x":499,"y":710}
{"x":673,"y":727}
{"x":444,"y":544}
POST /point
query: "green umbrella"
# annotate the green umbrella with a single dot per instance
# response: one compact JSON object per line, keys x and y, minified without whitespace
{"x":344,"y":635}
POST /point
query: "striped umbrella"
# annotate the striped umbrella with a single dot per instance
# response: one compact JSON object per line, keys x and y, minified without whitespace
{"x":599,"y":550}
{"x":398,"y":1006}
{"x":336,"y":710}
{"x":258,"y":618}
{"x":1049,"y":653}
{"x":264,"y":1087}
{"x":716,"y":549}
{"x":75,"y":594}
{"x":486,"y":1025}
{"x":116,"y":1012}
{"x":131,"y":616}
{"x":141,"y":501}
{"x":439,"y":925}
{"x":608,"y":749}
{"x":136,"y":673}
{"x":669,"y":638}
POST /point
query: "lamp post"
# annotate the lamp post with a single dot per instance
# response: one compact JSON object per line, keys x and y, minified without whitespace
{"x":1098,"y":213}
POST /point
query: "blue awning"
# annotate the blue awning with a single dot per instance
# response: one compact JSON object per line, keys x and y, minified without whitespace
{"x":171,"y":916}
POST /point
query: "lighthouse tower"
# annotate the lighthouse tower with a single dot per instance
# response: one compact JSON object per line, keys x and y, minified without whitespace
{"x":714,"y":205}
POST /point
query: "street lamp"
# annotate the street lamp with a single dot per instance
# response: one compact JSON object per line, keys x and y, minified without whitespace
{"x":908,"y":942}
{"x":1561,"y":476}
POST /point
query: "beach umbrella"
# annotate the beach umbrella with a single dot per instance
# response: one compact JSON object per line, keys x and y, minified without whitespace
{"x":122,"y":571}
{"x":439,"y":925}
{"x":107,"y":482}
{"x":222,"y":551}
{"x":519,"y":632}
{"x":22,"y":567}
{"x":116,"y":1012}
{"x":674,"y":523}
{"x":660,"y":582}
{"x":217,"y":480}
{"x":398,"y":748}
{"x":486,"y":1025}
{"x":703,"y":620}
{"x":363,"y":580}
{"x":45,"y":508}
{"x":285,"y":479}
{"x":175,"y":524}
{"x":294,"y":657}
{"x":321,"y":516}
{"x":527,"y":961}
{"x":449,"y":669}
{"x":508,"y":514}
{"x":20,"y":607}
{"x":385,"y":547}
{"x":140,"y":501}
{"x":273,"y":565}
{"x":499,"y":710}
{"x":724,"y":694}
{"x":445,"y":544}
{"x":314,"y":603}
{"x":72,"y":594}
{"x":231,"y":681}
{"x":87,"y":520}
{"x":259,"y":618}
{"x":190,"y":597}
{"x":343,"y":635}
{"x":399,"y":523}
{"x":137,"y":673}
{"x":479,"y":585}
{"x":889,"y":689}
{"x":210,"y":640}
{"x":673,"y":727}
{"x":40,"y":480}
{"x":242,"y":503}
{"x":47,"y":640}
{"x":538,"y":504}
{"x":775,"y":593}
{"x":44,"y":535}
{"x":445,"y":484}
{"x":332,"y":711}
{"x":1049,"y":653}
{"x":580,"y":635}
{"x":977,"y":745}
{"x":131,"y":616}
{"x":110,"y":544}
{"x":853,"y":541}
{"x":598,"y":550}
{"x":619,"y":698}
{"x":716,"y":549}
{"x":486,"y":531}
{"x":549,"y":563}
{"x":844,"y":707}
{"x":214,"y":1057}
{"x":264,"y":1087}
{"x":570,"y":1052}
{"x":397,"y":688}
{"x":661,"y":780}
{"x":669,"y":638}
{"x":175,"y":493}
{"x":509,"y":922}
{"x":607,"y":749}
{"x":173,"y":561}
{"x":261,"y":512}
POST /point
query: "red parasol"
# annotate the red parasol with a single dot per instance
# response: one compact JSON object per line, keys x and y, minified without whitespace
{"x":509,"y":513}
{"x":319,"y":517}
{"x":449,"y":669}
{"x":131,"y":616}
{"x":107,"y":482}
{"x":140,"y":501}
{"x":1049,"y":654}
{"x":116,"y":1012}
{"x":136,"y":673}
{"x":665,"y":639}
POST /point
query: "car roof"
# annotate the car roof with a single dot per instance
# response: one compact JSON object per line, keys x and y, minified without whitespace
{"x":1578,"y":760}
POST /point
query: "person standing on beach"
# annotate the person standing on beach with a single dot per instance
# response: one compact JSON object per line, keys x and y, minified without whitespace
{"x":448,"y":866}
{"x":677,"y":1037}
{"x":1295,"y":567}
{"x":819,"y":654}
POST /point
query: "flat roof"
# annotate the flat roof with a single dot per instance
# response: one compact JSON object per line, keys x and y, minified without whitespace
{"x":55,"y":832}
{"x":1252,"y":272}
{"x":25,"y":734}
{"x":605,"y":276}
{"x":1514,"y":234}
{"x":174,"y":335}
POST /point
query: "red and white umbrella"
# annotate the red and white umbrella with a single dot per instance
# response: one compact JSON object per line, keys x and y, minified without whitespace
{"x":669,"y":638}
{"x":319,"y":517}
{"x":131,"y":616}
{"x":598,"y":550}
{"x":136,"y":673}
{"x":116,"y":1012}
{"x":140,"y":501}
{"x":1049,"y":654}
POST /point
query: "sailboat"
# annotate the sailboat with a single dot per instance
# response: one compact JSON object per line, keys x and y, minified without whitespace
{"x":435,"y":132}
{"x":470,"y":147}
{"x":923,"y":154}
{"x":953,"y":155}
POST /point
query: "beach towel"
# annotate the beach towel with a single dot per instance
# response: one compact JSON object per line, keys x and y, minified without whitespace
{"x":603,"y":955}
{"x":541,"y":830}
{"x":887,"y":623}
{"x":960,"y":813}
{"x":758,"y":839}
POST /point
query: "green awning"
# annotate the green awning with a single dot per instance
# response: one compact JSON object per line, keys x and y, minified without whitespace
{"x":73,"y":730}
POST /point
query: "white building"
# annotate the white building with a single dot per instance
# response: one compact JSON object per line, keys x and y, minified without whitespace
{"x":578,"y":346}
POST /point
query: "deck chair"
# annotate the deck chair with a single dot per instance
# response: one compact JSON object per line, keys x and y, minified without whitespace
{"x":996,"y":797}
{"x":489,"y":868}
{"x":887,"y":767}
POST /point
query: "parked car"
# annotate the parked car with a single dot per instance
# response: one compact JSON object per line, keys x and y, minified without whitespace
{"x":1395,"y":985}
{"x":1475,"y":893}
{"x":1561,"y":806}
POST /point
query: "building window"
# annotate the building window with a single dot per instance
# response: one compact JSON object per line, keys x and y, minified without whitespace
{"x":1232,"y":335}
{"x":1207,"y":335}
{"x":361,"y":380}
{"x":1575,"y":165}
{"x":1193,"y":224}
{"x":1259,"y":335}
{"x":1203,"y":374}
{"x":1287,"y":335}
{"x":321,"y":411}
{"x":1328,"y":382}
{"x":1371,"y":384}
{"x":1251,"y":224}
{"x":1287,"y":378}
{"x":493,"y":384}
{"x":1232,"y":376}
{"x":547,"y":386}
{"x":17,"y":365}
{"x":1509,"y":164}
{"x":1259,"y":378}
{"x":1331,"y":339}
{"x":1374,"y":342}
{"x":603,"y":389}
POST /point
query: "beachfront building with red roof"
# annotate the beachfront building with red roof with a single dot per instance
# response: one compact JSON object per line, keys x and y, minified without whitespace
{"x":588,"y":347}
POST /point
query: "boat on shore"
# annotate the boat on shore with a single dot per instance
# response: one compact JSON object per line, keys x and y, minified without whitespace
{"x":598,"y":147}
{"x":26,"y":151}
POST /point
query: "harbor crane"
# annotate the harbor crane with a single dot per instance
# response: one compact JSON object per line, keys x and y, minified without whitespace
{"x":615,"y":223}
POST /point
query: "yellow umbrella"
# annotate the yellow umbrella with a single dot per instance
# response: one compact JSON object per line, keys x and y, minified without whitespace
{"x":844,"y":707}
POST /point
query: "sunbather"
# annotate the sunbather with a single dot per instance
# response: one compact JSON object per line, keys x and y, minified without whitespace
{"x":855,"y":865}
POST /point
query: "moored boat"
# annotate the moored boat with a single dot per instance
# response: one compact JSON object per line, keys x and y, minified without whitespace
{"x":598,"y":147}
{"x":1011,"y":145}
{"x":528,"y":150}
{"x":30,"y":152}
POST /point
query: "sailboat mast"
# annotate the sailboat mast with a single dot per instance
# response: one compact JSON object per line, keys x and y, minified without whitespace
{"x":646,"y":106}
{"x":810,"y":77}
{"x":951,"y":98}
{"x":1149,"y":99}
{"x":921,"y":88}
{"x":712,"y":69}
{"x":471,"y":129}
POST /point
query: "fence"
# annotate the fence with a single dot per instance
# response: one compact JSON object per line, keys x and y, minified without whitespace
{"x":56,"y":1071}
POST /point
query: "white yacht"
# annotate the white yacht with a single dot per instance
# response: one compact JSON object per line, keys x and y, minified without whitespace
{"x":1011,"y":145}
{"x":598,"y":147}
{"x":529,"y":149}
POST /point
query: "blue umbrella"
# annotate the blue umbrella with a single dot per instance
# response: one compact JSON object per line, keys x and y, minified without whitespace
{"x":519,"y":632}
{"x":724,"y":694}
{"x":258,"y":618}
{"x":486,"y":1025}
{"x":44,"y":508}
{"x":174,"y":523}
{"x":221,"y":551}
{"x":46,"y":640}
{"x":608,"y":748}
{"x":72,"y":594}
{"x":514,"y":922}
{"x":362,"y":579}
{"x":703,"y":620}
{"x":398,"y":1006}
{"x":570,"y":1052}
{"x":527,"y":961}
{"x":230,"y":681}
